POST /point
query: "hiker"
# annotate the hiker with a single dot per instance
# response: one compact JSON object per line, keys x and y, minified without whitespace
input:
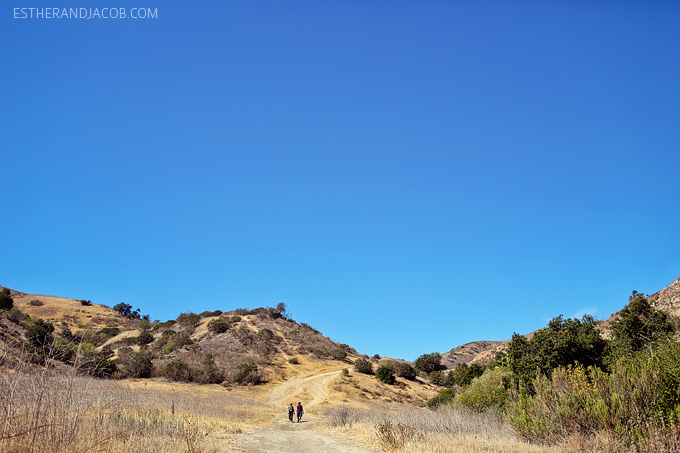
{"x":300,"y":411}
{"x":290,"y":412}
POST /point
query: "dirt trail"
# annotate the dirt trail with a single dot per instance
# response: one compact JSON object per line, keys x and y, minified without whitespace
{"x":282,"y":436}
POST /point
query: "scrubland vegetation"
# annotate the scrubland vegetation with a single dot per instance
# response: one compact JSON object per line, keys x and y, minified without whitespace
{"x":571,"y":388}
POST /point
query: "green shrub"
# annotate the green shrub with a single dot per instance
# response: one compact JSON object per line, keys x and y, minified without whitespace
{"x":427,"y":363}
{"x":486,"y":392}
{"x":235,"y":319}
{"x":16,"y":316}
{"x":246,"y":374}
{"x":137,"y":365}
{"x":405,"y":370}
{"x":640,"y":397}
{"x":6,"y":300}
{"x":363,"y":366}
{"x":463,"y":374}
{"x":36,"y":303}
{"x":209,"y":372}
{"x":385,"y":373}
{"x":208,"y":314}
{"x":445,"y":396}
{"x":39,"y":332}
{"x":145,"y":337}
{"x":178,"y":370}
{"x":345,"y":372}
{"x":437,"y":378}
{"x":188,"y":319}
{"x":169,"y":347}
{"x":219,"y":325}
{"x":294,"y":361}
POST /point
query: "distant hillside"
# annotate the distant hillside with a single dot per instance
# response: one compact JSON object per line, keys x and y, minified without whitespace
{"x":483,"y":352}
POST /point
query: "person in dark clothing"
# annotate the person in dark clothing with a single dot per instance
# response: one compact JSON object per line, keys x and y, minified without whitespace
{"x":300,"y":411}
{"x":291,"y":411}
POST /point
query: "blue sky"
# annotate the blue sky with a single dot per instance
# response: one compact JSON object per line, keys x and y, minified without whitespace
{"x":406,"y":176}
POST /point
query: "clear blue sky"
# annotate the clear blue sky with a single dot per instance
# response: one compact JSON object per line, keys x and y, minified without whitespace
{"x":406,"y":176}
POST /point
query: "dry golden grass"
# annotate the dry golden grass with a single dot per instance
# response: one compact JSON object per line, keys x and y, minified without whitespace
{"x":362,"y":391}
{"x":57,"y":413}
{"x":397,"y":427}
{"x":68,"y":312}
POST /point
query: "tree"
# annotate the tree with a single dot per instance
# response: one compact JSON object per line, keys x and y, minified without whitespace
{"x":639,"y":324}
{"x":6,"y":301}
{"x":123,"y":308}
{"x":562,"y":343}
{"x":427,"y":363}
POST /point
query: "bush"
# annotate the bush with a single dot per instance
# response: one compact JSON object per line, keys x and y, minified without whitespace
{"x":208,"y":314}
{"x":39,"y":332}
{"x":294,"y":361}
{"x":638,"y":400}
{"x":405,"y":370}
{"x":363,"y":366}
{"x":345,"y":372}
{"x":437,"y":378}
{"x":137,"y":365}
{"x":445,"y":396}
{"x":385,"y":373}
{"x":246,"y":374}
{"x":209,"y":372}
{"x":86,"y":303}
{"x":219,"y":325}
{"x":6,"y":300}
{"x":178,"y":370}
{"x":16,"y":316}
{"x":338,"y":354}
{"x":36,"y":303}
{"x":463,"y":374}
{"x":427,"y":363}
{"x":145,"y":337}
{"x":188,"y":319}
{"x":486,"y":392}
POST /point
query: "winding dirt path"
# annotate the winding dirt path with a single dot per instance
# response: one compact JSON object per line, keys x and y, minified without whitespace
{"x":282,"y":436}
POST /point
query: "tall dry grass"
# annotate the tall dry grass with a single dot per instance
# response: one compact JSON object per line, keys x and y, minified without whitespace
{"x":411,"y":428}
{"x":41,"y":411}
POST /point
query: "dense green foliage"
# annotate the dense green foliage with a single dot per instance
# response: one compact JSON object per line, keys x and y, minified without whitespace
{"x":488,"y":391}
{"x":363,"y":366}
{"x":427,"y":363}
{"x":640,"y":397}
{"x":638,"y":325}
{"x":563,"y":342}
{"x":463,"y":374}
{"x":405,"y":370}
{"x":385,"y":373}
{"x":39,"y":333}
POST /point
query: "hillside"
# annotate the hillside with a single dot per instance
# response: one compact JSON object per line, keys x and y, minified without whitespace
{"x":233,"y":348}
{"x":483,"y":352}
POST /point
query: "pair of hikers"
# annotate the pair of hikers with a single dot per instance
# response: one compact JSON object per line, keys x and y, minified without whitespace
{"x":291,"y":411}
